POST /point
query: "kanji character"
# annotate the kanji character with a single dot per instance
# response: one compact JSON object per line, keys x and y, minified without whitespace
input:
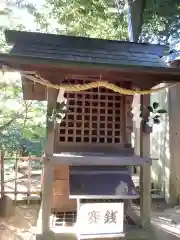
{"x":93,"y":217}
{"x":110,"y":216}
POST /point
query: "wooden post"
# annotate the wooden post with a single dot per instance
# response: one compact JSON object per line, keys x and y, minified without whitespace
{"x":136,"y":126}
{"x":145,"y":171}
{"x":29,"y":180}
{"x":2,"y":172}
{"x":47,"y":175}
{"x":16,"y":176}
{"x":136,"y":129}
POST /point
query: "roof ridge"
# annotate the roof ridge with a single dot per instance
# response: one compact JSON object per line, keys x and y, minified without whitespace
{"x":12,"y":37}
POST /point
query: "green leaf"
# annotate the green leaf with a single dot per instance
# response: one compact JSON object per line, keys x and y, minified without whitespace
{"x":162,"y":111}
{"x":155,"y":105}
{"x":157,"y":116}
{"x":156,"y":120}
{"x":150,"y":108}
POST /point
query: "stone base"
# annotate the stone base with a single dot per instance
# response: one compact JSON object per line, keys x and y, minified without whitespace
{"x":7,"y":207}
{"x":55,"y":236}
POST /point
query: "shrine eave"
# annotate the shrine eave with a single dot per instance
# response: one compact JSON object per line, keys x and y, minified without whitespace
{"x":19,"y":63}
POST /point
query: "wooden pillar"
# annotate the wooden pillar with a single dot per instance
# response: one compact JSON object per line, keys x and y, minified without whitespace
{"x":173,"y":172}
{"x":145,"y":171}
{"x":136,"y":125}
{"x":135,"y":109}
{"x":47,"y":171}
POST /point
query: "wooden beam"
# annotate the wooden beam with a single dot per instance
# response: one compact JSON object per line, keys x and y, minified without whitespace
{"x":111,"y":74}
{"x":33,"y":91}
{"x":145,"y":170}
{"x":47,"y":171}
{"x":101,"y":160}
{"x":93,"y":147}
{"x":58,"y":75}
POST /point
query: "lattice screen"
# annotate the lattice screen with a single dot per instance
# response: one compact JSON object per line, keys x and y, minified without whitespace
{"x":95,"y":116}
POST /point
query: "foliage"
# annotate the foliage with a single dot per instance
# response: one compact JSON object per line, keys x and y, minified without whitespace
{"x":94,"y":18}
{"x":22,"y":123}
{"x":91,"y":18}
{"x":161,"y":21}
{"x":154,"y":111}
{"x":97,"y":18}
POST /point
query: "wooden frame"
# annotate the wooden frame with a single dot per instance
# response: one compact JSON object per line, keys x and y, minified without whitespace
{"x":15,"y":179}
{"x":145,"y":170}
{"x":86,"y":160}
{"x":51,"y":160}
{"x":47,"y":173}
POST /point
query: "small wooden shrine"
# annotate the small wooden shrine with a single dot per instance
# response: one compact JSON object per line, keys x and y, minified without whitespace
{"x":88,"y":154}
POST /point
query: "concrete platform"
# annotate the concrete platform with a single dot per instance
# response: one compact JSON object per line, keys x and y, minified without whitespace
{"x":153,"y":233}
{"x":133,"y":233}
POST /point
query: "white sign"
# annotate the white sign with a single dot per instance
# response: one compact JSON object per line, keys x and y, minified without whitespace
{"x":102,"y":219}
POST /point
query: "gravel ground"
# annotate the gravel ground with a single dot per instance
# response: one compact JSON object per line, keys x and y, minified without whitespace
{"x":166,"y":223}
{"x":18,"y":227}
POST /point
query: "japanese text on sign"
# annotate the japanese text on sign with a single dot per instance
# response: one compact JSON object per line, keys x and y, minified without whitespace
{"x":100,"y":218}
{"x":109,"y":216}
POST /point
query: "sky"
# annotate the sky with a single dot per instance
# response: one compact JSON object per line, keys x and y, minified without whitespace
{"x":19,"y":16}
{"x":23,"y":17}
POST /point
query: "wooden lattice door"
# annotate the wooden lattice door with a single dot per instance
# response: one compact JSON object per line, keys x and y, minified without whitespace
{"x":97,"y":116}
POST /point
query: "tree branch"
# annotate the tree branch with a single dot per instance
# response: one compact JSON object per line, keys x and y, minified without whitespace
{"x":12,"y":120}
{"x":16,"y":116}
{"x":2,"y":128}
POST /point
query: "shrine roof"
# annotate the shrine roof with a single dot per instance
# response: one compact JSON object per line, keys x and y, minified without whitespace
{"x":72,"y":49}
{"x":58,"y":58}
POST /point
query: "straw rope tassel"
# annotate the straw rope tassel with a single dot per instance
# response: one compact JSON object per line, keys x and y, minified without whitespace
{"x":83,"y":87}
{"x":33,"y":76}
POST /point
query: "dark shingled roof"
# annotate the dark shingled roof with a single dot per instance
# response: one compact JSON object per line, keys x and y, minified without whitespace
{"x":85,"y":50}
